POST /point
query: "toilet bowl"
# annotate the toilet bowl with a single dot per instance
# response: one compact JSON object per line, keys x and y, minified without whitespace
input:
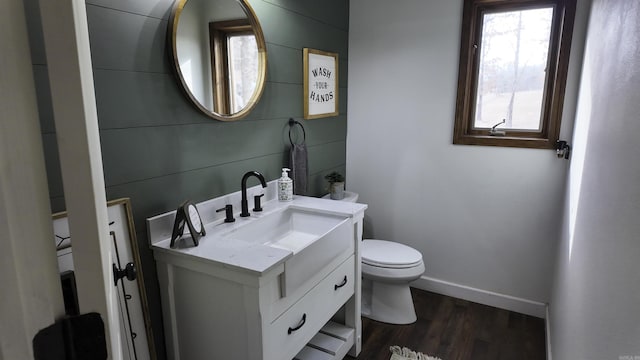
{"x":387,"y":269}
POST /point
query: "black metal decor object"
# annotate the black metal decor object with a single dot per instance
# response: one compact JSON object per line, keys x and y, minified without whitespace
{"x":563,"y":149}
{"x":187,"y":214}
{"x":298,"y":160}
{"x":130,"y":272}
{"x":292,"y":123}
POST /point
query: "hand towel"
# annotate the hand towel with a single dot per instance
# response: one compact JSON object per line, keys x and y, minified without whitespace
{"x":299,"y":168}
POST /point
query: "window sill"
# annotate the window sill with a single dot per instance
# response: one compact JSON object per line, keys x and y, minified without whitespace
{"x":504,"y":141}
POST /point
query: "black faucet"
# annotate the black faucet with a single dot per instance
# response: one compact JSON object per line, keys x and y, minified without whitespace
{"x":245,"y":206}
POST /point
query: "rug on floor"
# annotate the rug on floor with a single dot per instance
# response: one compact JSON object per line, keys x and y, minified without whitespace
{"x":398,"y":353}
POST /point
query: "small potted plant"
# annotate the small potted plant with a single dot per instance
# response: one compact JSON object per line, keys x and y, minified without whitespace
{"x":336,"y":185}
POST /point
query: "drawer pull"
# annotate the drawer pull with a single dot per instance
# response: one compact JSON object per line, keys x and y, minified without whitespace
{"x":344,"y":282}
{"x":304,"y":319}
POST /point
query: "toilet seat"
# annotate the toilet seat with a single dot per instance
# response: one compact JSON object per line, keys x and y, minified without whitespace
{"x":390,"y":255}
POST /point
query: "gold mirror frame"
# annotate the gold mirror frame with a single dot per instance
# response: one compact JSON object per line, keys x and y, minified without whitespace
{"x":262,"y":61}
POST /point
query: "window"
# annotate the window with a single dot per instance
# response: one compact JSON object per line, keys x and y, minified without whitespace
{"x":514,"y":57}
{"x":243,"y":69}
{"x":234,"y":64}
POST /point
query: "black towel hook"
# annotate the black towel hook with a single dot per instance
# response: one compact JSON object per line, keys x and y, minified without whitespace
{"x":292,"y":123}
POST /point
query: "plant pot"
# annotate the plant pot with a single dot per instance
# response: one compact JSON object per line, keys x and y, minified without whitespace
{"x":336,"y":190}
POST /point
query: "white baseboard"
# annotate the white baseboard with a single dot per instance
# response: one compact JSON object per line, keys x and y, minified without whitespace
{"x":502,"y":301}
{"x":547,"y":322}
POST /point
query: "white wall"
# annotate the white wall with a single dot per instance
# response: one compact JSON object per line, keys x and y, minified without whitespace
{"x":193,"y":52}
{"x":483,"y":217}
{"x":594,"y":309}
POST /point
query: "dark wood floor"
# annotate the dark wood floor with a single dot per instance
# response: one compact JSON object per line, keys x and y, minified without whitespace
{"x":455,"y":329}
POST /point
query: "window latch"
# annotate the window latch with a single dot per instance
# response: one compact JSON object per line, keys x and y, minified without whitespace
{"x":494,"y":132}
{"x":563,"y":150}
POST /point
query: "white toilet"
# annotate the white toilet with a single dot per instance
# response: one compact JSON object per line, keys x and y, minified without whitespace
{"x":387,"y":269}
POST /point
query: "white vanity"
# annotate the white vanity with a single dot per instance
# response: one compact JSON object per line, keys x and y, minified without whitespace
{"x":281,"y":284}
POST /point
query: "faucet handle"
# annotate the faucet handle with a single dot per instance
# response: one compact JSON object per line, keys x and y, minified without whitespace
{"x":228,"y":213}
{"x":256,"y":202}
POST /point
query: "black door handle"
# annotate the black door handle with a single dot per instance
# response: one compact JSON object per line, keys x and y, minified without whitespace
{"x":129,"y":271}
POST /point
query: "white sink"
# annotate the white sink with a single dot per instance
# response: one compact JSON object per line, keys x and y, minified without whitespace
{"x":314,"y":238}
{"x":289,"y":229}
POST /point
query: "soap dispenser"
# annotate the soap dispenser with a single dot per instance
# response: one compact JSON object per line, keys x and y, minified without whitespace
{"x":285,"y":186}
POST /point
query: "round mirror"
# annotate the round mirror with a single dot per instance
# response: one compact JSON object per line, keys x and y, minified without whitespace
{"x":219,"y":55}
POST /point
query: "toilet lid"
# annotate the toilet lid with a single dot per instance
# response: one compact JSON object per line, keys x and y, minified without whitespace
{"x":389,"y":254}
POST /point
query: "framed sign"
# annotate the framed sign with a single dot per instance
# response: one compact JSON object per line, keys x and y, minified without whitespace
{"x":135,"y":323}
{"x":320,"y":83}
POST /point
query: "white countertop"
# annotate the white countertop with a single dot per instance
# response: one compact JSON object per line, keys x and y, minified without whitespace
{"x":220,"y":250}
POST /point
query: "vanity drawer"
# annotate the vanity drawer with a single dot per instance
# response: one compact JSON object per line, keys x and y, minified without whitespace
{"x":289,"y":333}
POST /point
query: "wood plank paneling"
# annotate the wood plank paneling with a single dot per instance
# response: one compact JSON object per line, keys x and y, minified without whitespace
{"x":128,"y":99}
{"x":284,"y":64}
{"x":125,"y":41}
{"x":161,"y":194}
{"x":279,"y":100}
{"x":146,"y":152}
{"x":160,"y":9}
{"x":299,"y":30}
{"x":332,"y":12}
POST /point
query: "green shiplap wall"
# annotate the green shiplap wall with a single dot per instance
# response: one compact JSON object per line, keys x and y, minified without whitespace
{"x":157,"y":148}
